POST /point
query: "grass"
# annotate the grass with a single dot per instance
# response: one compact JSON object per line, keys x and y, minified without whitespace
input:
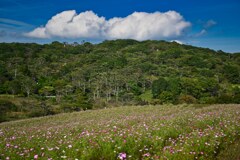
{"x":234,"y":151}
{"x":136,"y":132}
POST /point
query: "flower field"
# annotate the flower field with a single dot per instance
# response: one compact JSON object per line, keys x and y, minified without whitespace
{"x":136,"y":132}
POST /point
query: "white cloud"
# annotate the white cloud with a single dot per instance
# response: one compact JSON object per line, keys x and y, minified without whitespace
{"x":209,"y":24}
{"x":68,"y":24}
{"x":139,"y":26}
{"x":177,"y":41}
{"x":39,"y":32}
{"x":202,"y":32}
{"x":14,"y":22}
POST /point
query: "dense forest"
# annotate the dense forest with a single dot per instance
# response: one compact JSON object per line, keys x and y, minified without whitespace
{"x":38,"y":80}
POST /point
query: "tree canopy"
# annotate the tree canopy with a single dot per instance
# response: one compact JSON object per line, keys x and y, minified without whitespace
{"x":118,"y":72}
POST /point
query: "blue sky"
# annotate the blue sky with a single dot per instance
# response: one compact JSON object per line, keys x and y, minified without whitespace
{"x":213,"y":24}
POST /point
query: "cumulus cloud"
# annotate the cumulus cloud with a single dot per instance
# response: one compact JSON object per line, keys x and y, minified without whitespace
{"x":139,"y":26}
{"x":70,"y":25}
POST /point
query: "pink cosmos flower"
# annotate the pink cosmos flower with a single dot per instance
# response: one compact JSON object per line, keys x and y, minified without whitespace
{"x":146,"y":155}
{"x":13,"y":137}
{"x":36,"y":156}
{"x":122,"y":156}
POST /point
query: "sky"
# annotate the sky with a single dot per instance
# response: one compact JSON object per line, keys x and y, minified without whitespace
{"x":212,"y":24}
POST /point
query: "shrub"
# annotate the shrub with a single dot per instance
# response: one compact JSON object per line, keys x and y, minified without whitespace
{"x":225,"y":99}
{"x":186,"y":99}
{"x":207,"y":100}
{"x":5,"y":108}
{"x":166,"y":97}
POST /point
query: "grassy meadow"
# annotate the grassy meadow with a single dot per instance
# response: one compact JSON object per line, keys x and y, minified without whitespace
{"x":134,"y":132}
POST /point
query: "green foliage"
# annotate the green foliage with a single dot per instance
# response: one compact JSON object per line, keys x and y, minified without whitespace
{"x":232,"y":73}
{"x":225,"y":99}
{"x":5,"y":108}
{"x":82,"y":102}
{"x":147,"y":96}
{"x":118,"y":72}
{"x":159,"y":86}
{"x":13,"y":86}
{"x":76,"y":102}
{"x":46,"y":91}
{"x":166,"y":97}
{"x":186,"y":99}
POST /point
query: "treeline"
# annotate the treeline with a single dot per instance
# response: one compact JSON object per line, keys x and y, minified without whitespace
{"x":72,"y":77}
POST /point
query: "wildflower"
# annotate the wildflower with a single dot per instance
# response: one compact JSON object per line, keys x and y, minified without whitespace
{"x":146,"y":155}
{"x":70,"y":146}
{"x":12,"y":138}
{"x":171,"y":151}
{"x":122,"y":156}
{"x":36,"y":156}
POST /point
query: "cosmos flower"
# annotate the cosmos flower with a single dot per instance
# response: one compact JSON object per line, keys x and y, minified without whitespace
{"x":122,"y":156}
{"x":36,"y":156}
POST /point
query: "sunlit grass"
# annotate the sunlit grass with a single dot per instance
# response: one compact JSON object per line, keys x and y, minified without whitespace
{"x":139,"y":132}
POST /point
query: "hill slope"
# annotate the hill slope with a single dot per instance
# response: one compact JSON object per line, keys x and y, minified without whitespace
{"x":71,"y":77}
{"x":149,"y":132}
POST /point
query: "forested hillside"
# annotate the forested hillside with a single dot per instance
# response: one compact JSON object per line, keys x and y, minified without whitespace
{"x":59,"y":77}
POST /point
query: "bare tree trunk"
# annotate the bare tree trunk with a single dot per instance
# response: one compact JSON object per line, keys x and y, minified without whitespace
{"x":28,"y":93}
{"x":84,"y":88}
{"x":144,"y":86}
{"x":15,"y":73}
{"x":94,"y":96}
{"x":98,"y":93}
{"x":117,"y":93}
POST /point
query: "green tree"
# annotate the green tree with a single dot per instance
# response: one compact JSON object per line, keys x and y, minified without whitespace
{"x":159,"y":86}
{"x":47,"y":91}
{"x":232,"y":72}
